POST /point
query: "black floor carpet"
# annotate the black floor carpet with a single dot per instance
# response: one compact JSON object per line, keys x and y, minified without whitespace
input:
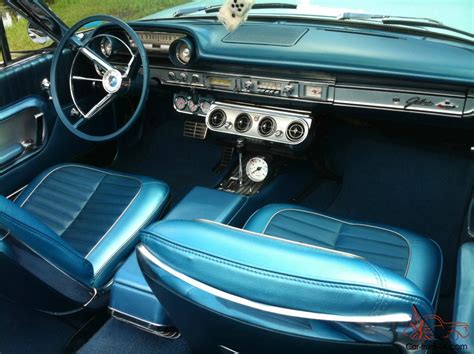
{"x":23,"y":330}
{"x":165,"y":154}
{"x":118,"y":337}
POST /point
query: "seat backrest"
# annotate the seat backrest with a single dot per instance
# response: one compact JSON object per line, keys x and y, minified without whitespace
{"x":238,"y":280}
{"x":38,"y":267}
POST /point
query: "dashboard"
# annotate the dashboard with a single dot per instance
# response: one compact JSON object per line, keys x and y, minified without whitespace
{"x":295,"y":74}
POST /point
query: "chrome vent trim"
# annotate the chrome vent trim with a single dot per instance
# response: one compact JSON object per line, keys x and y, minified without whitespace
{"x":243,"y":122}
{"x":267,"y":123}
{"x":295,"y":131}
{"x":267,"y":126}
{"x":217,"y":118}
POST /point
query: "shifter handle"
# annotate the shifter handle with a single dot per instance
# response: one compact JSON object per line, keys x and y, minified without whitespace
{"x":240,"y":144}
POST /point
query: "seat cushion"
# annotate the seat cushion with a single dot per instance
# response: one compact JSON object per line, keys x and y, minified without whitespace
{"x":417,"y":258}
{"x":97,"y":212}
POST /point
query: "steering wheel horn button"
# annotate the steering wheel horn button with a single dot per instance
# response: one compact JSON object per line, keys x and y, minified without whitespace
{"x":112,"y":81}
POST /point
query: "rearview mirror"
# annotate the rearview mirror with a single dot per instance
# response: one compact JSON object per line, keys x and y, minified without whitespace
{"x":36,"y":34}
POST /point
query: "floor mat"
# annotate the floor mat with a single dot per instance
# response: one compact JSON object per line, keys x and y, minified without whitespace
{"x":119,"y":337}
{"x":164,"y":153}
{"x":409,"y":186}
{"x":23,"y":330}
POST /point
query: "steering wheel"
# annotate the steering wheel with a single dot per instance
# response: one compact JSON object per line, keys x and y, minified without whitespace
{"x":115,"y":81}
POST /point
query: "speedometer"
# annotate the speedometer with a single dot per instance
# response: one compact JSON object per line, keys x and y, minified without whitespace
{"x":257,"y":169}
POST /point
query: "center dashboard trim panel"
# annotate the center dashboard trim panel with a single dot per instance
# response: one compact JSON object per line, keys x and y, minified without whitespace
{"x":413,"y":100}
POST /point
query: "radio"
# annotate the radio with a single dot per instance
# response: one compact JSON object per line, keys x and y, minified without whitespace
{"x":290,"y":89}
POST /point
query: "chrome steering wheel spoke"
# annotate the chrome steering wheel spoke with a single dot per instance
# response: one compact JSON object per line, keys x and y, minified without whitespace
{"x":133,"y":67}
{"x":104,"y":102}
{"x":94,"y":57}
{"x":82,"y":78}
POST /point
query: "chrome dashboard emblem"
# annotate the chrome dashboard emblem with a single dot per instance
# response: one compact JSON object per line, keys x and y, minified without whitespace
{"x":446,"y":104}
{"x":112,"y":81}
{"x":418,"y":101}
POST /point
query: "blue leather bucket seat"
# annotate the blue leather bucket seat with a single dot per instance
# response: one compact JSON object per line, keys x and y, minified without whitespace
{"x":292,"y":280}
{"x":69,"y":230}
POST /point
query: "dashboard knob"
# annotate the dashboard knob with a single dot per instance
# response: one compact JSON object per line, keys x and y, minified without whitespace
{"x":183,"y":77}
{"x":249,"y":85}
{"x":171,"y":76}
{"x":288,"y":90}
{"x":195,"y":79}
{"x":278,"y":133}
{"x":228,"y":125}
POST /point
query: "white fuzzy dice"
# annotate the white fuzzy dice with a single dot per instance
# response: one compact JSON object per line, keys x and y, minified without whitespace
{"x":234,"y":12}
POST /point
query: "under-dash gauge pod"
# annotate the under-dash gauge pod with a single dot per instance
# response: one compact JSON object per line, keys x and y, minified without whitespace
{"x":180,"y":102}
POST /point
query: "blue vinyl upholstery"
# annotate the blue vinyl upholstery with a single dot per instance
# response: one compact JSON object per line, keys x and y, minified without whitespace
{"x":417,"y":258}
{"x":293,"y":259}
{"x":81,"y":220}
{"x":464,"y":301}
{"x":207,"y":203}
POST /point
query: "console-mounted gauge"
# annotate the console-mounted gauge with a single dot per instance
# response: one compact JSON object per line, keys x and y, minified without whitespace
{"x":256,"y":169}
{"x":181,"y":52}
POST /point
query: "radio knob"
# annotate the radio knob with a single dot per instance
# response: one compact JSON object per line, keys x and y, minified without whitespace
{"x":249,"y":85}
{"x":195,"y":79}
{"x":288,"y":90}
{"x":171,"y":76}
{"x":183,"y":77}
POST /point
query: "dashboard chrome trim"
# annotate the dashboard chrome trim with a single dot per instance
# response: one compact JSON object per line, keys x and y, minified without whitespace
{"x":401,"y":101}
{"x":449,"y":103}
{"x":282,"y":119}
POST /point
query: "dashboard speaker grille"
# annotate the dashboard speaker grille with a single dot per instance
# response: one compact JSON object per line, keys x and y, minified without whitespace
{"x":284,"y":36}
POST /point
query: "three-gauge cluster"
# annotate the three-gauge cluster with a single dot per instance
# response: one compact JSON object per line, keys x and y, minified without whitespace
{"x":184,"y":103}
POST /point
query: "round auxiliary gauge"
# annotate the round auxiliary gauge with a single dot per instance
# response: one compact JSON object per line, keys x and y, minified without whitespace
{"x":256,"y":169}
{"x":193,"y":107}
{"x":180,"y":102}
{"x":205,"y":106}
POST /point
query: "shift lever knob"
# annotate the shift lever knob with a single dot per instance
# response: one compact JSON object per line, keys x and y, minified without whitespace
{"x":240,"y":144}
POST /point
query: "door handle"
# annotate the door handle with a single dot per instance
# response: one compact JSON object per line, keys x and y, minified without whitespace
{"x":10,"y":153}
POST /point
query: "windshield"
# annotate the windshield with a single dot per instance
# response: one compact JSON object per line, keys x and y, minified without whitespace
{"x":454,"y":13}
{"x":458,"y":14}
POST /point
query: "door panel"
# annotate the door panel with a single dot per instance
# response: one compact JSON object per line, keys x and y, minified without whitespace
{"x":23,"y":79}
{"x":23,"y":132}
{"x":21,"y":99}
